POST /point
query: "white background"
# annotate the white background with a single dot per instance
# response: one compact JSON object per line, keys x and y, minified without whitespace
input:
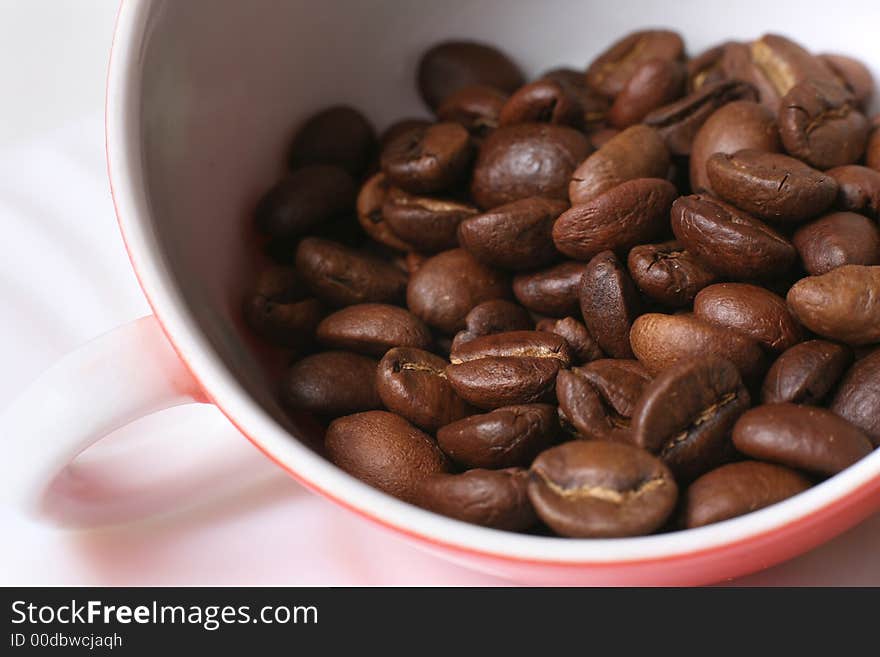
{"x":65,"y":278}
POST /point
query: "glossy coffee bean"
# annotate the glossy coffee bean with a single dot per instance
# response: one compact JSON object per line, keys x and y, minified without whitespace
{"x":452,"y":65}
{"x":842,"y":305}
{"x":858,"y":397}
{"x":594,"y":105}
{"x":637,"y":152}
{"x":340,"y":136}
{"x":786,"y":63}
{"x":304,"y":199}
{"x":736,"y":489}
{"x":341,"y":276}
{"x":543,"y":101}
{"x":331,"y":383}
{"x":506,"y":437}
{"x":373,"y":329}
{"x":433,"y":159}
{"x":805,"y":373}
{"x":686,"y":414}
{"x":771,"y":186}
{"x":370,"y":201}
{"x":611,"y":70}
{"x":858,"y":189}
{"x":837,"y":239}
{"x":495,"y":316}
{"x":490,"y":498}
{"x":655,"y":83}
{"x":668,"y":273}
{"x":737,"y":63}
{"x":427,"y":224}
{"x":477,"y":108}
{"x":524,"y":160}
{"x":279,"y":311}
{"x":631,"y":213}
{"x":515,"y":236}
{"x":412,"y":383}
{"x":582,"y":346}
{"x":729,"y":241}
{"x":853,"y":75}
{"x":448,"y":285}
{"x":595,"y":489}
{"x":802,"y":437}
{"x":609,"y":304}
{"x":553,"y":291}
{"x":385,"y":451}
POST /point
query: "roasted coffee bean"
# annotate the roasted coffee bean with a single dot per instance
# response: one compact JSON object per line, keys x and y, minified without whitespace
{"x":595,"y":489}
{"x":594,"y":105}
{"x":728,"y":241}
{"x":516,"y":235}
{"x":505,"y":437}
{"x":620,"y":383}
{"x":736,"y":126}
{"x":527,"y":159}
{"x":802,"y":437}
{"x":434,"y":159}
{"x":805,"y":373}
{"x":872,"y":152}
{"x":369,"y":211}
{"x":398,"y":128}
{"x":655,"y":83}
{"x":853,"y":75}
{"x":736,"y":489}
{"x":495,"y":316}
{"x":491,"y":498}
{"x":340,"y":136}
{"x":373,"y":329}
{"x":448,"y":285}
{"x":610,"y":71}
{"x":770,"y":185}
{"x":303,"y":199}
{"x":686,"y":414}
{"x":819,"y":124}
{"x":518,"y":367}
{"x":668,"y":273}
{"x":412,"y":383}
{"x":331,"y":383}
{"x":427,"y":224}
{"x":342,"y":276}
{"x":582,"y":345}
{"x":633,"y":212}
{"x":858,"y":189}
{"x":543,"y":101}
{"x":452,"y":65}
{"x":737,"y":64}
{"x":477,"y":108}
{"x":678,"y":123}
{"x":785,"y":63}
{"x":858,"y":398}
{"x":609,"y":304}
{"x":706,"y":68}
{"x":750,"y":310}
{"x":837,"y":239}
{"x":637,"y":152}
{"x":842,"y":305}
{"x":385,"y":451}
{"x":659,"y":341}
{"x":552,"y":291}
{"x":278,"y":311}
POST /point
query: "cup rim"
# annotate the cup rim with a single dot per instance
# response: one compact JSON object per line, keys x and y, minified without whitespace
{"x":124,"y":168}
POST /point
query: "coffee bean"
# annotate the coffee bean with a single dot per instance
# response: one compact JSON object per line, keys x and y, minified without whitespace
{"x":552,"y":291}
{"x":637,"y":152}
{"x":837,"y":239}
{"x":527,"y":159}
{"x":373,"y":329}
{"x":770,"y":185}
{"x":595,"y":489}
{"x":303,"y":199}
{"x":842,"y":305}
{"x":858,"y":398}
{"x":852,"y":74}
{"x":514,"y":236}
{"x":331,"y":383}
{"x":505,"y":437}
{"x":706,"y":68}
{"x":659,"y":341}
{"x":736,"y":489}
{"x":655,"y":83}
{"x":858,"y":189}
{"x":737,"y":64}
{"x":278,"y":310}
{"x":633,"y":212}
{"x":668,"y":273}
{"x":729,"y":241}
{"x":819,"y":124}
{"x":477,"y":108}
{"x":341,"y":276}
{"x":805,"y":373}
{"x":448,"y":285}
{"x":369,"y":210}
{"x":384,"y":451}
{"x":452,"y":65}
{"x":872,"y":151}
{"x":339,"y":135}
{"x":495,"y":316}
{"x":594,"y":106}
{"x":412,"y":383}
{"x":433,"y":159}
{"x":785,"y":63}
{"x":609,"y":304}
{"x":686,"y":414}
{"x":802,"y":437}
{"x":401,"y":127}
{"x":543,"y":101}
{"x":427,"y":224}
{"x":491,"y":498}
{"x":582,"y":346}
{"x":610,"y":71}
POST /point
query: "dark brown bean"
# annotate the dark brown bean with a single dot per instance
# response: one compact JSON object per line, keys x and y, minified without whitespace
{"x":668,"y":273}
{"x":552,"y":291}
{"x":609,"y":304}
{"x":594,"y":105}
{"x":785,"y":63}
{"x":278,"y":311}
{"x":853,"y":75}
{"x":477,"y":108}
{"x":859,"y":189}
{"x":656,"y":82}
{"x":805,"y":373}
{"x":339,"y":135}
{"x":434,"y":159}
{"x":706,"y":68}
{"x":427,"y":224}
{"x":369,"y":211}
{"x":581,"y":344}
{"x":495,"y":316}
{"x":611,"y":70}
{"x":858,"y":398}
{"x":331,"y":383}
{"x":543,"y":101}
{"x":872,"y":152}
{"x":373,"y":329}
{"x":837,"y":239}
{"x":401,"y":127}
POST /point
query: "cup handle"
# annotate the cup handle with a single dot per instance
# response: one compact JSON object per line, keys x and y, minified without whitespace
{"x":113,"y":380}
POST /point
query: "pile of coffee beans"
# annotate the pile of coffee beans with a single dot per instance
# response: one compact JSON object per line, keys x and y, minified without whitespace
{"x":639,"y":297}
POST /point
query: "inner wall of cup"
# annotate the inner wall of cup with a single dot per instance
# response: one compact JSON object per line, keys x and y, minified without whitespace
{"x":226,"y":83}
